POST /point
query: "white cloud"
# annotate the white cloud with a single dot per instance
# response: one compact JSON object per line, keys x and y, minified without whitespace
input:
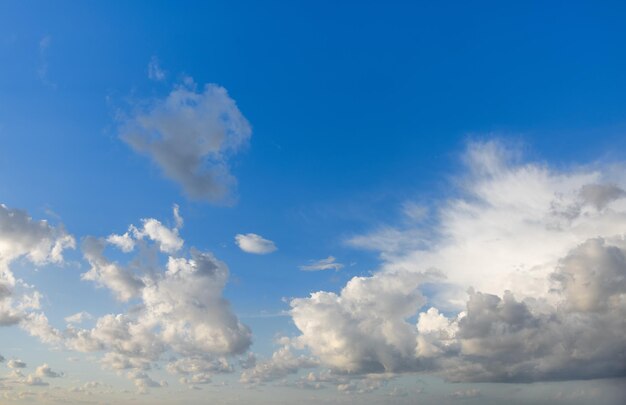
{"x":198,"y":370}
{"x":253,"y":243}
{"x":78,"y":317}
{"x":182,"y":312}
{"x":39,"y":243}
{"x":282,"y":363}
{"x":121,"y":280}
{"x":323,"y":264}
{"x":529,"y":261}
{"x":190,"y":135}
{"x":45,"y":371}
{"x":124,"y":242}
{"x":155,"y":72}
{"x":13,"y":363}
{"x":167,"y":239}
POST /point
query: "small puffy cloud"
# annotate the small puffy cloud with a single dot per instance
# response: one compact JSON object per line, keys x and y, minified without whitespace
{"x":124,"y":242}
{"x":253,"y":243}
{"x":34,"y":381}
{"x":155,"y":72}
{"x":329,"y":263}
{"x":45,"y":371}
{"x":78,"y":317}
{"x":13,"y":363}
{"x":190,"y":135}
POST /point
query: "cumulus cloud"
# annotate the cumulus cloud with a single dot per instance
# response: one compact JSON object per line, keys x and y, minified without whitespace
{"x":190,"y":135}
{"x":14,"y":363}
{"x":45,"y":371}
{"x":253,"y":243}
{"x":329,"y":263}
{"x":125,"y":281}
{"x":38,"y":242}
{"x":519,"y":277}
{"x":182,"y":310}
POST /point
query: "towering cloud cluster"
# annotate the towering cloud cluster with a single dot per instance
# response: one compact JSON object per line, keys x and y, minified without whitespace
{"x":522,"y":278}
{"x":190,"y":135}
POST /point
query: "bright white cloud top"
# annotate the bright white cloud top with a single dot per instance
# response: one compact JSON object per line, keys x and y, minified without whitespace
{"x":530,"y":263}
{"x":256,"y":244}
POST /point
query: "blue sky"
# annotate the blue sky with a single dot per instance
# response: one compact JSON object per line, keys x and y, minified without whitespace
{"x":388,"y":142}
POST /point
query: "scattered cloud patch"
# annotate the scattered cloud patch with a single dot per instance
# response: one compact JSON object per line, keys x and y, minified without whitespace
{"x":181,"y":312}
{"x":256,"y":244}
{"x":13,"y":363}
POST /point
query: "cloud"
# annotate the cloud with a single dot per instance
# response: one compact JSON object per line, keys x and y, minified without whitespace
{"x":190,"y":135}
{"x":198,"y":370}
{"x":16,"y":364}
{"x":78,"y":317}
{"x":45,"y":371}
{"x":519,"y":277}
{"x":323,"y":264}
{"x":155,"y":72}
{"x":124,"y":280}
{"x":282,"y":363}
{"x":42,"y":71}
{"x":38,"y":242}
{"x":121,"y":280}
{"x":182,"y":310}
{"x":253,"y":243}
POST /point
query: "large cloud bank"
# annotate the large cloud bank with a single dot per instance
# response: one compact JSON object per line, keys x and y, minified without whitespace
{"x":519,"y":277}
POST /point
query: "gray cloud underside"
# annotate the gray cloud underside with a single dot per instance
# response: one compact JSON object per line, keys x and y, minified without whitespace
{"x":190,"y":135}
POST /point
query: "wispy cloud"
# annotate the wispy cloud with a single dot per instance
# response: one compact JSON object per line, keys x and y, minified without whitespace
{"x":155,"y":72}
{"x":42,"y":71}
{"x":329,"y":263}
